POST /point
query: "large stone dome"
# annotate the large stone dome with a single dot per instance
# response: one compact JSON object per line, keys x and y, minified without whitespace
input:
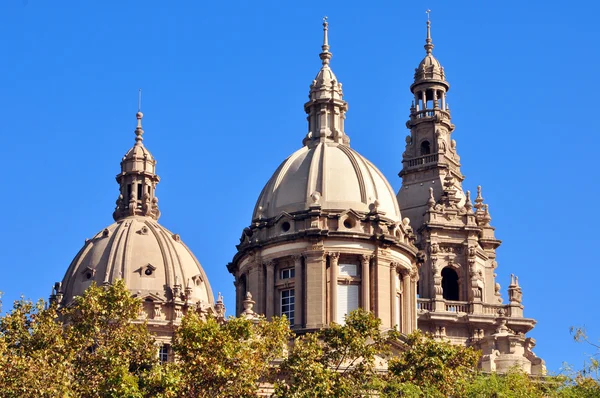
{"x":154,"y":263}
{"x":342,"y":178}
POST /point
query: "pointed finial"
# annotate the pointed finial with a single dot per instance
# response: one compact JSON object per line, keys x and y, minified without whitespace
{"x":479,"y":199}
{"x":139,"y":115}
{"x":428,"y":42}
{"x":325,"y":55}
{"x":431,"y":200}
{"x":468,"y":204}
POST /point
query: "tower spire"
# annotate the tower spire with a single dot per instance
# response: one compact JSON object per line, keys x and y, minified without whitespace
{"x":325,"y":55}
{"x":428,"y":42}
{"x":326,"y":107}
{"x":137,"y":179}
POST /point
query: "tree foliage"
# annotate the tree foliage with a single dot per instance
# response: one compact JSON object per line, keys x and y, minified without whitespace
{"x":434,"y":365}
{"x":230,"y":359}
{"x":339,"y":361}
{"x":97,"y":348}
{"x":91,"y":349}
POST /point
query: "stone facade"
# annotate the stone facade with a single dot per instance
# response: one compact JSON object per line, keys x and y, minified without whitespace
{"x":324,"y":211}
{"x":459,"y":298}
{"x":326,"y":235}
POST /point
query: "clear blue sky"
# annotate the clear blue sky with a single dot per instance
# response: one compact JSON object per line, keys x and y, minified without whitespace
{"x":224,"y":86}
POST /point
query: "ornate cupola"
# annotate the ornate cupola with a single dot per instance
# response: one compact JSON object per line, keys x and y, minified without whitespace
{"x":137,"y":180}
{"x":459,"y":298}
{"x":326,"y":108}
{"x":326,"y":235}
{"x":155,"y":264}
{"x":430,"y":152}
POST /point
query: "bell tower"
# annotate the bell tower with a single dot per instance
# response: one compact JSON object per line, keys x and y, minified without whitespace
{"x":458,"y":296}
{"x":430,"y":154}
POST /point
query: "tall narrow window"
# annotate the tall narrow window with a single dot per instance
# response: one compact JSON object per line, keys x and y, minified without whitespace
{"x":140,"y":191}
{"x":128,"y":192}
{"x":163,"y":353}
{"x":425,"y":148}
{"x":288,"y":304}
{"x":449,"y":284}
{"x":347,"y":301}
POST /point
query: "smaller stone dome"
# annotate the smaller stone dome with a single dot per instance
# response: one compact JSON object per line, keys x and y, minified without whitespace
{"x":153,"y":261}
{"x":330,"y":174}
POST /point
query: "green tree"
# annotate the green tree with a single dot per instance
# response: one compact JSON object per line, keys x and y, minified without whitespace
{"x":91,"y":349}
{"x":228,"y":359}
{"x":111,"y":350}
{"x":339,"y":361}
{"x":35,"y":355}
{"x":437,"y":367}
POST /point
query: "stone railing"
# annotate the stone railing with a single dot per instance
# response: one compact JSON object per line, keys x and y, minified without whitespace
{"x":457,"y":306}
{"x":422,"y":160}
{"x":492,"y":309}
{"x":430,"y":113}
{"x":428,"y":305}
{"x":424,"y":305}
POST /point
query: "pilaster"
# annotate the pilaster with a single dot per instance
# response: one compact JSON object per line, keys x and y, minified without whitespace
{"x":316,"y":299}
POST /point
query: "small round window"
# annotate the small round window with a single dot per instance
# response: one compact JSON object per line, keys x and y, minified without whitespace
{"x":148,"y":271}
{"x":349,"y":223}
{"x":88,"y":275}
{"x":285,"y":226}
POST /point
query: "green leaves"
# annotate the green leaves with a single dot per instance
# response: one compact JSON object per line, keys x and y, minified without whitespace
{"x":98,"y":348}
{"x":229,"y":359}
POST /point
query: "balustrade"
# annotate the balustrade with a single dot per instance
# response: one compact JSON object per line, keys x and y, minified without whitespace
{"x":457,"y":306}
{"x":427,"y":305}
{"x":423,"y":160}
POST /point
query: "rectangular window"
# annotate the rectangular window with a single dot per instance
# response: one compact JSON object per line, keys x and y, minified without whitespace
{"x":140,"y":189}
{"x":163,"y":353}
{"x":287,"y":273}
{"x":348,"y":270}
{"x":288,"y":304}
{"x":347,"y":301}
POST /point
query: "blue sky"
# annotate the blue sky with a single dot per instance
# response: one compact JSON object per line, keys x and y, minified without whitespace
{"x":224,"y":86}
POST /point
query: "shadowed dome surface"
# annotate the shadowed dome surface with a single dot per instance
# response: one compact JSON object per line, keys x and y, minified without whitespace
{"x":150,"y":258}
{"x":343,"y":178}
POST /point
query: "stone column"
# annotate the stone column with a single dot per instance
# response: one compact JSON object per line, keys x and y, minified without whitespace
{"x":381,"y":283}
{"x":299,"y":292}
{"x":270,"y":289}
{"x":435,"y":99}
{"x":315,"y":289}
{"x":365,"y":282}
{"x":333,"y":280}
{"x":393,"y":278}
{"x":409,"y":303}
{"x":238,"y":294}
{"x":443,"y":101}
{"x":414,"y":278}
{"x":254,"y":285}
{"x":417,"y":105}
{"x":424,"y":95}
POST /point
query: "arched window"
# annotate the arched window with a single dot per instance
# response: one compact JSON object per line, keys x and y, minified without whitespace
{"x":425,"y":148}
{"x":450,"y":284}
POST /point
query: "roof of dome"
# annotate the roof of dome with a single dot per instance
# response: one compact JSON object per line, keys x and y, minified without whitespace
{"x":430,"y":69}
{"x":343,"y":178}
{"x":150,"y":259}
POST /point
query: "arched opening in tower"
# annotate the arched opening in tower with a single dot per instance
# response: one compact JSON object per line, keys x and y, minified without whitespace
{"x":425,"y":148}
{"x":450,"y":284}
